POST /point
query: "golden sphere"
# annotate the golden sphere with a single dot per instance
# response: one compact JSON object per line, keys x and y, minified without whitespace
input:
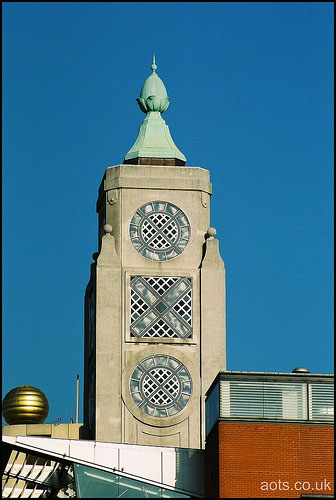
{"x":25,"y":405}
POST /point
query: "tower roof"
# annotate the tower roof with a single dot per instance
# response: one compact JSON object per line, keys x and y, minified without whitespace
{"x":154,"y":144}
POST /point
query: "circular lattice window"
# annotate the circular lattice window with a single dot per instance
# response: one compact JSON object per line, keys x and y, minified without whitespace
{"x":161,"y":386}
{"x":159,"y":230}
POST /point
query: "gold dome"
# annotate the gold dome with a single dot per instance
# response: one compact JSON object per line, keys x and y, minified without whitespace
{"x":25,"y":405}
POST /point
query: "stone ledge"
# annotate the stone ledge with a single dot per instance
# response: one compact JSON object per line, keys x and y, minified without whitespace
{"x":157,"y":177}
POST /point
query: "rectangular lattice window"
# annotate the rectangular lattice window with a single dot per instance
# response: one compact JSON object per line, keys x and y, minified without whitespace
{"x":161,"y":307}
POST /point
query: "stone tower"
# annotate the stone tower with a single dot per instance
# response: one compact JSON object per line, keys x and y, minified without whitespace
{"x":155,"y":301}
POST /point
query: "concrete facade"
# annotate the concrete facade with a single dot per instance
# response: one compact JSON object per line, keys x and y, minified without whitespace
{"x":62,"y":431}
{"x":111,"y":352}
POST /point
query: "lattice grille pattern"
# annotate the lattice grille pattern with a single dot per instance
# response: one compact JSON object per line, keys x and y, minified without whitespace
{"x":161,"y":386}
{"x":161,"y":307}
{"x":159,"y":230}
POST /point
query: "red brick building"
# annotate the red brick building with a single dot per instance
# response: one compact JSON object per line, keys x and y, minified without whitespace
{"x":273,"y":436}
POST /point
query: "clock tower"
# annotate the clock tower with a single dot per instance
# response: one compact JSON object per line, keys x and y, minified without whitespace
{"x":155,"y":301}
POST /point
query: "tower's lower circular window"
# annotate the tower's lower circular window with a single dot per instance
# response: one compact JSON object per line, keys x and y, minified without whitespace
{"x":161,"y":385}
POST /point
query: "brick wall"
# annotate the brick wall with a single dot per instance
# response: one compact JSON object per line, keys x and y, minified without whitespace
{"x":257,"y":460}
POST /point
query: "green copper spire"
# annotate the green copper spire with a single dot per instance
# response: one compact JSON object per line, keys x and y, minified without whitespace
{"x":154,"y":66}
{"x":154,"y":139}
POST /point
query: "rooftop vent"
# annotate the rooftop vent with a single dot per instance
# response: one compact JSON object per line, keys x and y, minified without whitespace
{"x":300,"y":370}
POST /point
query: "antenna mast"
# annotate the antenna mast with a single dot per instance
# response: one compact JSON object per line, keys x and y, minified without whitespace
{"x":77,"y":398}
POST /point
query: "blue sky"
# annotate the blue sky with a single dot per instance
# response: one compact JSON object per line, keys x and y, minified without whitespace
{"x":251,"y":89}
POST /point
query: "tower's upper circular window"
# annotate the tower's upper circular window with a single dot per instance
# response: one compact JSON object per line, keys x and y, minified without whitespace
{"x":159,"y":230}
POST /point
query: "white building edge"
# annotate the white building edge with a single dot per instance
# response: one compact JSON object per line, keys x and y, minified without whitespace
{"x":136,"y":470}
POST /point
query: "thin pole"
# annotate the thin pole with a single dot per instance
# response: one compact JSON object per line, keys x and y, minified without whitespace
{"x":77,"y":399}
